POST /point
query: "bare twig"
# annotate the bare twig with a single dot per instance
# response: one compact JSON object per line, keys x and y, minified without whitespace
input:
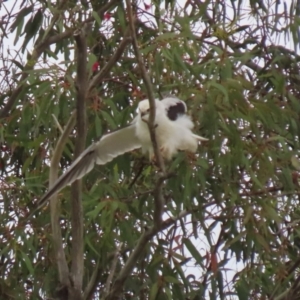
{"x":112,"y":270}
{"x":91,"y":285}
{"x":282,"y":296}
{"x":76,"y":189}
{"x":139,"y":171}
{"x":57,"y":124}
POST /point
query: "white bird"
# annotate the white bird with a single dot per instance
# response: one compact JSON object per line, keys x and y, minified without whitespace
{"x":173,"y":133}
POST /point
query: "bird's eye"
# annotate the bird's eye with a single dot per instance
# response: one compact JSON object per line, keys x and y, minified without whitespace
{"x":148,"y":109}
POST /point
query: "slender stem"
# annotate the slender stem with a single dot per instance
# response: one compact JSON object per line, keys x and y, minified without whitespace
{"x":76,"y":189}
{"x":62,"y":266}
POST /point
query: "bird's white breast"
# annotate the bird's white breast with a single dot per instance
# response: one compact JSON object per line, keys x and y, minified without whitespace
{"x":165,"y":131}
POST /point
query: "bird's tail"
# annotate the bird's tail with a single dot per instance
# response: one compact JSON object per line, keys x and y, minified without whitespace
{"x":200,"y":138}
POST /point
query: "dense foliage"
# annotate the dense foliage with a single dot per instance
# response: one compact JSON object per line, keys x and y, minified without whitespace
{"x":231,"y":217}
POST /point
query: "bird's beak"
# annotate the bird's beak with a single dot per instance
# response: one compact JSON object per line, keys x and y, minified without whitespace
{"x":142,"y":113}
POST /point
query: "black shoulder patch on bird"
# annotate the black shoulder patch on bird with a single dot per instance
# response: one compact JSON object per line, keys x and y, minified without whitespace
{"x":176,"y":110}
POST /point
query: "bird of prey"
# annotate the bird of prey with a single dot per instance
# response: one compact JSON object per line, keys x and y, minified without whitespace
{"x":173,"y":133}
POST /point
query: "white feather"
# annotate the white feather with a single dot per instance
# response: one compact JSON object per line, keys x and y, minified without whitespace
{"x":171,"y":135}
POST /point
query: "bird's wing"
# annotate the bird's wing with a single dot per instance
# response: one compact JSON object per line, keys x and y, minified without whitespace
{"x":174,"y":107}
{"x":108,"y":147}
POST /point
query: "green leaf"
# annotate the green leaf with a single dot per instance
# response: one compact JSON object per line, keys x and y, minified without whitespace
{"x":18,"y":64}
{"x":194,"y":252}
{"x":94,"y":213}
{"x":109,"y":119}
{"x":96,"y":17}
{"x":27,"y":263}
{"x":171,"y":279}
{"x":220,"y":284}
{"x":242,"y":292}
{"x":220,"y":88}
{"x":98,"y":126}
{"x":261,"y":240}
{"x":168,"y":293}
{"x":32,"y":27}
{"x":89,"y":244}
{"x":234,"y":240}
{"x":20,"y":17}
{"x":166,"y":36}
{"x":154,"y":291}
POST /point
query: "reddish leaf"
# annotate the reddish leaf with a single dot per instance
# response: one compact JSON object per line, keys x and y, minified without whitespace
{"x":214,"y":263}
{"x":95,"y":66}
{"x":147,"y":6}
{"x":107,"y":16}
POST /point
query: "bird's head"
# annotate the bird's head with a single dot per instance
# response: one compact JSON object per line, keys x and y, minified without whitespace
{"x":144,"y":109}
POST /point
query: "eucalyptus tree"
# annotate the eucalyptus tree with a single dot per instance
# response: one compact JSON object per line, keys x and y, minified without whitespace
{"x":220,"y":224}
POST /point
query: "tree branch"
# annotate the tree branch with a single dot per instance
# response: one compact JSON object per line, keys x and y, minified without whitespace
{"x":289,"y":272}
{"x":159,"y":200}
{"x":88,"y":293}
{"x":112,"y":270}
{"x":76,"y":189}
{"x":62,"y":266}
{"x":117,"y":287}
{"x":98,"y":273}
{"x":158,"y":196}
{"x":148,"y":86}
